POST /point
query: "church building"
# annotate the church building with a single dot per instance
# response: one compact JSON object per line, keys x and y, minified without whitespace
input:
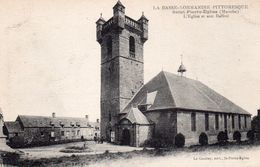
{"x":171,"y":107}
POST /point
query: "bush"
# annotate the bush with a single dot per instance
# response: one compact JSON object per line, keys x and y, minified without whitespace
{"x":76,"y":149}
{"x":237,"y":136}
{"x":250,"y":135}
{"x":16,"y":142}
{"x":222,"y":137}
{"x":9,"y":158}
{"x":203,"y":139}
{"x":179,"y":140}
{"x":158,"y":143}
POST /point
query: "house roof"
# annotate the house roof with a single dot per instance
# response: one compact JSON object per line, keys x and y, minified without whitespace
{"x":13,"y":127}
{"x":44,"y":121}
{"x":173,"y":91}
{"x":94,"y":124}
{"x":136,"y":116}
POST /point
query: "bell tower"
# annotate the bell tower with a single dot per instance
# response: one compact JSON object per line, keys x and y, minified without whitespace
{"x":122,"y":68}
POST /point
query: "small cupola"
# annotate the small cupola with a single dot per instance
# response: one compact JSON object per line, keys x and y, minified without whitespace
{"x":182,"y":68}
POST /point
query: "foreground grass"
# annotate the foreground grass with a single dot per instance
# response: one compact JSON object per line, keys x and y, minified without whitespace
{"x":84,"y":160}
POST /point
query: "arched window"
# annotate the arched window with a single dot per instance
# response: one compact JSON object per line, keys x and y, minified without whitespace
{"x":206,"y":121}
{"x":245,"y":121}
{"x":216,"y":121}
{"x":132,"y":46}
{"x":239,"y":121}
{"x":225,"y":121}
{"x":193,"y":121}
{"x":233,"y":121}
{"x":109,"y":45}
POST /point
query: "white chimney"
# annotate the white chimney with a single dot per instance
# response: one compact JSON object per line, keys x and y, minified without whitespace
{"x":53,"y":115}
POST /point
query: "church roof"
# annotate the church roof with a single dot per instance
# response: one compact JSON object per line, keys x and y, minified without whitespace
{"x":173,"y":91}
{"x":44,"y":121}
{"x":136,"y":116}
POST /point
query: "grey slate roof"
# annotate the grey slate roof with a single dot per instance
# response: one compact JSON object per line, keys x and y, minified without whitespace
{"x":13,"y":127}
{"x":136,"y":116}
{"x":173,"y":91}
{"x":94,"y":124}
{"x":44,"y":121}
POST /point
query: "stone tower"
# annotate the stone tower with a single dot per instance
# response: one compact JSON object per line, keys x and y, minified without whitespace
{"x":121,"y":39}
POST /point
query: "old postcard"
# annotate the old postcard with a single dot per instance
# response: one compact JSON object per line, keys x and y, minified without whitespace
{"x":130,"y":83}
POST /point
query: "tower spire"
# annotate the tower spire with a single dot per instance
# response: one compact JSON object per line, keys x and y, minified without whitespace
{"x":182,"y":68}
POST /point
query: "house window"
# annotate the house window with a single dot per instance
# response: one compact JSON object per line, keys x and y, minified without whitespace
{"x":193,"y":121}
{"x":245,"y":122}
{"x":16,"y":134}
{"x":132,"y":46}
{"x":225,"y":121}
{"x":62,"y":133}
{"x":67,"y":133}
{"x":206,"y":122}
{"x":239,"y":121}
{"x":109,"y":45}
{"x":217,"y":121}
{"x":52,"y":134}
{"x":73,"y":133}
{"x":78,"y":132}
{"x":42,"y":134}
{"x":233,"y":122}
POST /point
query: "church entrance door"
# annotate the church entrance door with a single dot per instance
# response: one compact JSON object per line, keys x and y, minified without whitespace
{"x":126,"y":137}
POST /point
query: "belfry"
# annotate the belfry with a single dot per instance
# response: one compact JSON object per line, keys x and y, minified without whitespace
{"x":121,"y":39}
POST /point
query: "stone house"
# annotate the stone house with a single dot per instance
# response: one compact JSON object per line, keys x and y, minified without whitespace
{"x":42,"y":130}
{"x":170,"y":107}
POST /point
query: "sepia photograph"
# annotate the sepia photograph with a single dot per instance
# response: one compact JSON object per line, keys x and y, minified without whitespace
{"x":130,"y":83}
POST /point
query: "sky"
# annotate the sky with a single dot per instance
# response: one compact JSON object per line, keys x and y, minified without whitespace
{"x":50,"y":60}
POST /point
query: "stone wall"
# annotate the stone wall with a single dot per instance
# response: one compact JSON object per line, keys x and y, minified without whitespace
{"x":144,"y":133}
{"x":164,"y":124}
{"x":192,"y":137}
